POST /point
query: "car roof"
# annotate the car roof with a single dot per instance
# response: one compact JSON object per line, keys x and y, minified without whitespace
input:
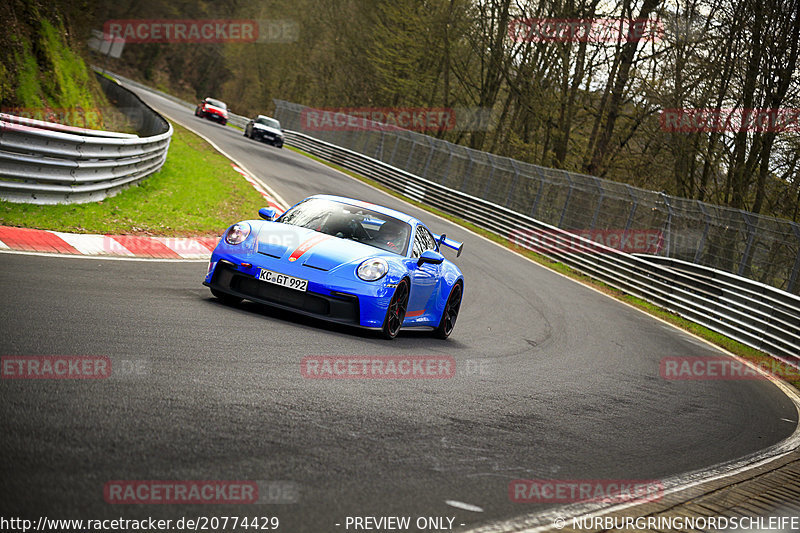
{"x":375,"y":207}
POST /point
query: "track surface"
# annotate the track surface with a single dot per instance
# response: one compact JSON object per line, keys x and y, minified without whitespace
{"x":554,"y":381}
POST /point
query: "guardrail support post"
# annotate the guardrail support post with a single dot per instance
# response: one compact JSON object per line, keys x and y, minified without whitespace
{"x":513,"y":183}
{"x":699,"y":252}
{"x":539,"y":192}
{"x":566,"y":202}
{"x":744,"y":264}
{"x":669,"y":223}
{"x":599,"y":202}
{"x":635,"y":204}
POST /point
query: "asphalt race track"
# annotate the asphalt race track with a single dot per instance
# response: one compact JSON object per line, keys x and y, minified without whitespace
{"x":553,"y":380}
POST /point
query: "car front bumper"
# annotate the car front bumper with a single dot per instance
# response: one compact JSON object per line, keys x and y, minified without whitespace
{"x":329,"y":297}
{"x":269,"y":138}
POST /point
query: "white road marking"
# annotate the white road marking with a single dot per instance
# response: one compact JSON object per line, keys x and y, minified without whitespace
{"x":465,"y":506}
{"x":277,"y":197}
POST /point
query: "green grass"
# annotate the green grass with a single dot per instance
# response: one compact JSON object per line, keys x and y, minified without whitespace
{"x":54,"y":82}
{"x":196,"y":193}
{"x":713,"y":337}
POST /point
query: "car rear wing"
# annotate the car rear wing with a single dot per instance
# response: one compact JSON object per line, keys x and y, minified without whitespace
{"x":450,"y":243}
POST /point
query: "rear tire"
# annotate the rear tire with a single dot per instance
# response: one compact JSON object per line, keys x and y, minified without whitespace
{"x":450,"y":313}
{"x":226,"y":298}
{"x":396,"y":312}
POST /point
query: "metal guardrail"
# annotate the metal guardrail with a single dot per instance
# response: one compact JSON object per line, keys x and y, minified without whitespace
{"x":233,"y":119}
{"x":48,"y":163}
{"x":762,"y":248}
{"x":753,"y":313}
{"x":237,"y":120}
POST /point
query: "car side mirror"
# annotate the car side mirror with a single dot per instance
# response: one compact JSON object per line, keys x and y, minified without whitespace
{"x":268,"y":213}
{"x":430,"y":257}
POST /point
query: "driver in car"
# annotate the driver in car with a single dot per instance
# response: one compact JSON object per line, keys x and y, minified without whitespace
{"x":393,"y":236}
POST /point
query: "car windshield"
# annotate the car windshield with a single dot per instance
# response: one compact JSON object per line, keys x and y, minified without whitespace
{"x":216,"y":103}
{"x":350,"y":222}
{"x":270,"y":122}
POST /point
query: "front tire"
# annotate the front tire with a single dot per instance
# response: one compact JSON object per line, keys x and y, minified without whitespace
{"x":226,"y":298}
{"x":450,"y":313}
{"x":396,"y":313}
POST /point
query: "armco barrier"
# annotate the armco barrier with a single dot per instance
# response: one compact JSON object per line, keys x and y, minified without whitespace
{"x":754,"y":246}
{"x":753,"y":313}
{"x":233,"y":119}
{"x":47,"y":163}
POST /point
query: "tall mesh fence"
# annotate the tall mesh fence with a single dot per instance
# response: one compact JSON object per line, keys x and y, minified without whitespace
{"x":758,"y":247}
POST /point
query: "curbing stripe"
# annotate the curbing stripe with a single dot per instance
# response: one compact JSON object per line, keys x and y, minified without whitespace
{"x":122,"y":246}
{"x":145,"y":246}
{"x":34,"y":240}
{"x":258,"y":187}
{"x":186,"y":248}
{"x":93,"y":244}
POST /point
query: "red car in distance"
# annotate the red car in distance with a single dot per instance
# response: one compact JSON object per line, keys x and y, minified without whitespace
{"x":212,"y":109}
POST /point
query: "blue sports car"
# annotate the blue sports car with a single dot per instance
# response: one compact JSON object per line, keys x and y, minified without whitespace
{"x":341,"y":260}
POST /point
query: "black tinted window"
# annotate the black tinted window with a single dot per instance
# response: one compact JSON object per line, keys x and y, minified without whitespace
{"x":423,"y":240}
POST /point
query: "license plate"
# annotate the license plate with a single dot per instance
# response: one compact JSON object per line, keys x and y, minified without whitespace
{"x":283,"y":280}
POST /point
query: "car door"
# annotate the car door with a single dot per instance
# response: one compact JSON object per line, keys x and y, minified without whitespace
{"x":424,"y":279}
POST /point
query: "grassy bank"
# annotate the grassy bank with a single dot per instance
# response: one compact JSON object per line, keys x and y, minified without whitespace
{"x":713,"y":337}
{"x":196,"y":192}
{"x":43,"y":77}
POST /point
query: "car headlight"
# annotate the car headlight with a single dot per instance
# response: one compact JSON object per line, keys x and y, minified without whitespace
{"x":237,"y":233}
{"x":372,"y":269}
